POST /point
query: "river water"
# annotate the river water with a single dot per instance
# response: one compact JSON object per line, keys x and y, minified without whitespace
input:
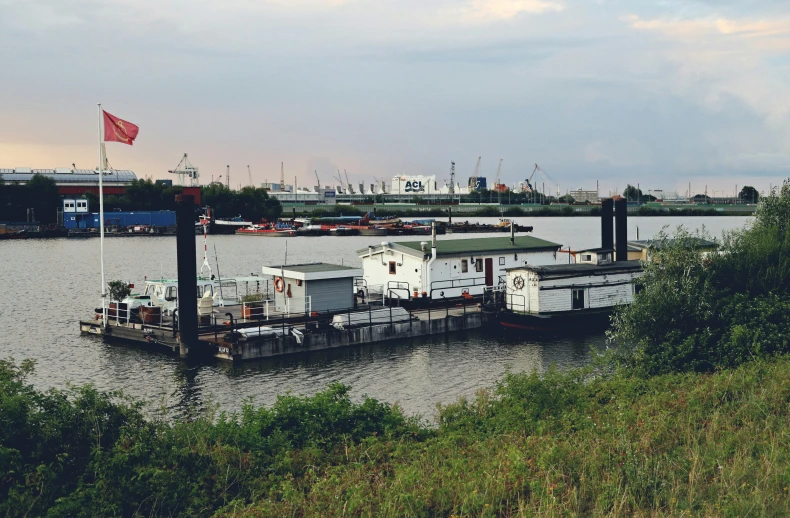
{"x":49,"y":285}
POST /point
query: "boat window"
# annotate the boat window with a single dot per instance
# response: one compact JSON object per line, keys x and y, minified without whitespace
{"x":501,"y":261}
{"x":171,"y":294}
{"x":577,"y":299}
{"x":392,"y":267}
{"x":199,"y":291}
{"x":464,"y":266}
{"x":478,"y":265}
{"x":587,"y":257}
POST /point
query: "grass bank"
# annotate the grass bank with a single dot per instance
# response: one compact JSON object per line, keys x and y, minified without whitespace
{"x":703,"y":444}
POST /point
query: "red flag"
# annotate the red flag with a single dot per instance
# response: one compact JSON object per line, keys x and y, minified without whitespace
{"x":118,"y":130}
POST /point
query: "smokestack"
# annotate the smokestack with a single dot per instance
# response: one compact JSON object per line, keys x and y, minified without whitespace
{"x":607,"y":222}
{"x":621,"y":228}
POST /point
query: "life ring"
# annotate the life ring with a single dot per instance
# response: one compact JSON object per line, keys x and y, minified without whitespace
{"x":279,"y":284}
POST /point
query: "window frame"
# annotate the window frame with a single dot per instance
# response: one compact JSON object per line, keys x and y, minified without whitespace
{"x":393,"y":268}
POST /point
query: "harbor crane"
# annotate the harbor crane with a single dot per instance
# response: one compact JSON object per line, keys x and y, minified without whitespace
{"x":348,"y":182}
{"x":473,"y":180}
{"x":318,"y":181}
{"x":545,"y":177}
{"x":185,"y":169}
{"x":498,"y":187}
{"x":339,"y":182}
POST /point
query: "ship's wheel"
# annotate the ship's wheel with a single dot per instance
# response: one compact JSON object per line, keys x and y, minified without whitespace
{"x":518,"y":282}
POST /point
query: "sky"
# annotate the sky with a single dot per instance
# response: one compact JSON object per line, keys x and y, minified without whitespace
{"x":660,"y":93}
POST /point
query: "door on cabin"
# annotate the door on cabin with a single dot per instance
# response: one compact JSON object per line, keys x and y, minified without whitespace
{"x":489,"y":272}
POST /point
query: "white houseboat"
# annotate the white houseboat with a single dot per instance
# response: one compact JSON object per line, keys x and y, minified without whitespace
{"x":592,"y":287}
{"x":450,"y":267}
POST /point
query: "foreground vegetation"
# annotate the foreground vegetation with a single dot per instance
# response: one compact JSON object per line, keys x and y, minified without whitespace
{"x":688,"y":415}
{"x":701,"y":444}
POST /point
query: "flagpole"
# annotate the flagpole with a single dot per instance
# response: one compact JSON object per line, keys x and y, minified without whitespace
{"x":101,"y":222}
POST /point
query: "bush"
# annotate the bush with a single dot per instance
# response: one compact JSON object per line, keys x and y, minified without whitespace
{"x":699,"y":312}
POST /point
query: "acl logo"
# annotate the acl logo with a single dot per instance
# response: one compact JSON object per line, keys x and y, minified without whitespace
{"x":414,"y":186}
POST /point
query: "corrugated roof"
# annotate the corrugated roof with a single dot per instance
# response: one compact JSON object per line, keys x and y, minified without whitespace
{"x":486,"y":244}
{"x":553,"y":270}
{"x":313,"y":267}
{"x":76,"y":176}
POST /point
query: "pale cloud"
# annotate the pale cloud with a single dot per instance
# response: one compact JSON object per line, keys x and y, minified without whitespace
{"x":494,"y":10}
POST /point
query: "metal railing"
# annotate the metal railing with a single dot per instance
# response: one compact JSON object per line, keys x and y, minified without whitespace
{"x":516,"y":302}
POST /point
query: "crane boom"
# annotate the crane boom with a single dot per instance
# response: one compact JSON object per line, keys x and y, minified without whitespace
{"x":348,"y":182}
{"x":318,"y":181}
{"x":473,"y":180}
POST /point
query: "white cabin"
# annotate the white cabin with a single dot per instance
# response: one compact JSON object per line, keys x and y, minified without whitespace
{"x":566,"y":288}
{"x":450,"y":267}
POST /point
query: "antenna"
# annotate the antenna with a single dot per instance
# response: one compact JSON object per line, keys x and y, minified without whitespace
{"x":452,"y":179}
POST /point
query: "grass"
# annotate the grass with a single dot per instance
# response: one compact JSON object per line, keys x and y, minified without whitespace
{"x":709,"y":445}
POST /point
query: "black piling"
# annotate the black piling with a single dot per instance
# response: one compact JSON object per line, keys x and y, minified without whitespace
{"x":607,"y":223}
{"x":187,"y":272}
{"x":621,"y":228}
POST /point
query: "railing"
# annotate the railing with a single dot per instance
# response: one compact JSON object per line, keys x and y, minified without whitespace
{"x":516,"y":302}
{"x":450,"y":284}
{"x":394,"y":287}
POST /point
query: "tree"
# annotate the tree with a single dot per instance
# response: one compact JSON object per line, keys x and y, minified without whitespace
{"x":700,"y":311}
{"x":566,"y":199}
{"x":631,"y":193}
{"x":41,"y":194}
{"x":749,"y":194}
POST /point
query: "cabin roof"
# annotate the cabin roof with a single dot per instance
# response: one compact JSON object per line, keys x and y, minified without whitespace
{"x":564,"y":270}
{"x":312,"y":271}
{"x":486,"y":245}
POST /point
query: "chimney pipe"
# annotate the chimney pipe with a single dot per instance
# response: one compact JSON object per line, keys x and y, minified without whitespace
{"x":607,"y":222}
{"x":621,"y":228}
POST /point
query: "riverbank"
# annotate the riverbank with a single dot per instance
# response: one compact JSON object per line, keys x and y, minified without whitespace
{"x":493,"y":210}
{"x":705,"y":444}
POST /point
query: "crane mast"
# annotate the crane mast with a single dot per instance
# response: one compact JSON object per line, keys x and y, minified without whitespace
{"x":452,"y":180}
{"x":473,"y":180}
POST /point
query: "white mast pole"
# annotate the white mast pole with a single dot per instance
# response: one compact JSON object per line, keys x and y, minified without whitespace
{"x":101,"y":222}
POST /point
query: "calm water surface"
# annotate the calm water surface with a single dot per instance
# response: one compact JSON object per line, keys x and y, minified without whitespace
{"x":49,"y":285}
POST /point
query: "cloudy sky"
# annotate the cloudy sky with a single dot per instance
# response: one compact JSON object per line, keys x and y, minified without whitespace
{"x":661,"y":93}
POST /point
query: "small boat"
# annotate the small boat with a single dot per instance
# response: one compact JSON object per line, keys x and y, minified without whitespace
{"x":256,"y":230}
{"x":374,"y":231}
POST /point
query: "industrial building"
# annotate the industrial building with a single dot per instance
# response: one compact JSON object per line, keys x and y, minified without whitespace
{"x":76,"y":182}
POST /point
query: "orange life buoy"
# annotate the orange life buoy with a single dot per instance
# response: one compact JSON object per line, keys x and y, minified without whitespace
{"x":289,"y":290}
{"x":279,"y":285}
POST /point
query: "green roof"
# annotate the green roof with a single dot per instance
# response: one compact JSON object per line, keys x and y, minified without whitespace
{"x":313,"y":267}
{"x":486,"y":244}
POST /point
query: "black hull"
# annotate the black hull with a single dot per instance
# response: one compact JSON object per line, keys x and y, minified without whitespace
{"x":570,"y":322}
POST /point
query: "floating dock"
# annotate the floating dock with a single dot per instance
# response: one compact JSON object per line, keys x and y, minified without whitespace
{"x":292,"y":335}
